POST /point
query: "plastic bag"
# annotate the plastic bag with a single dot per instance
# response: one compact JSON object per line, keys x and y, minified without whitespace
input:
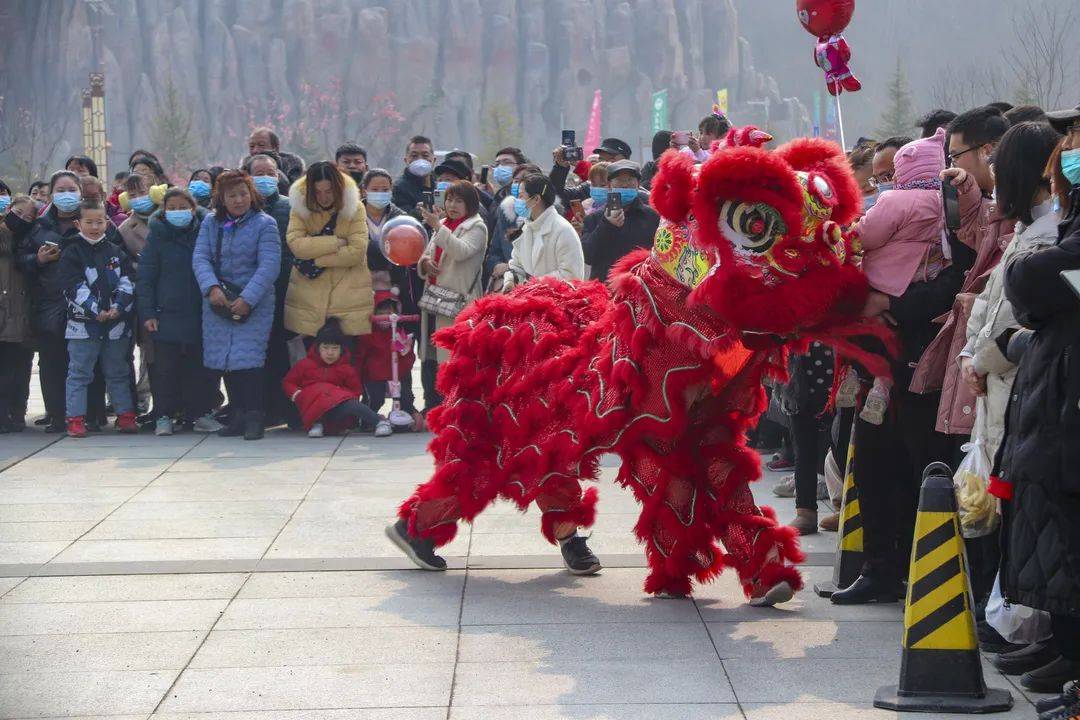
{"x":978,"y":508}
{"x":1017,"y":623}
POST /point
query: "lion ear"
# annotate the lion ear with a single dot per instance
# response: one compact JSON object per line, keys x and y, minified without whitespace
{"x":672,"y":190}
{"x":825,"y":157}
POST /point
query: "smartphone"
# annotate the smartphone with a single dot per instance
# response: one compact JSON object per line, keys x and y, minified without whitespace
{"x":484,"y":174}
{"x":950,"y":198}
{"x":578,"y":208}
{"x":440,"y":198}
{"x":571,"y":152}
{"x":52,"y":243}
{"x":681,"y":137}
{"x":428,"y":199}
{"x":1072,"y":279}
{"x":614,"y":202}
{"x":569,"y":138}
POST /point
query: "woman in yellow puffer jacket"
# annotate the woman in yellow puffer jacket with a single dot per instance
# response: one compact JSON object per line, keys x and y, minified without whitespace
{"x":328,"y":235}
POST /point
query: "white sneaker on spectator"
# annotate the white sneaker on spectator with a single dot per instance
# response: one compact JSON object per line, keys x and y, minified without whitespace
{"x":848,"y":392}
{"x":163,"y":426}
{"x":207,"y":424}
{"x":316,"y":430}
{"x":876,"y":404}
{"x":401,"y":419}
{"x":383,"y":429}
{"x":785,"y":488}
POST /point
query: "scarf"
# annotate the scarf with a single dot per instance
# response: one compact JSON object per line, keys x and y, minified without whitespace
{"x":922,"y":184}
{"x":450,"y":225}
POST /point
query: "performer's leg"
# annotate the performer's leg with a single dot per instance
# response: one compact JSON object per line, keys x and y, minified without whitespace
{"x":564,"y":509}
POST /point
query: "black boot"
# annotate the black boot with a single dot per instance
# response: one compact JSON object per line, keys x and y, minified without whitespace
{"x":1050,"y":678}
{"x":1030,"y":657}
{"x":253,"y":425}
{"x":1070,"y":695}
{"x":420,"y":551}
{"x":869,"y":589}
{"x":234,"y":427}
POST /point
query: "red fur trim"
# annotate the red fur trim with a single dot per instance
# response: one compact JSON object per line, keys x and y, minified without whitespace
{"x":583,"y":514}
{"x":776,"y":573}
{"x":673,"y":186}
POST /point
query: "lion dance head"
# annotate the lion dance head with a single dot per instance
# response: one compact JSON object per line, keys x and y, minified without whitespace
{"x":759,"y":234}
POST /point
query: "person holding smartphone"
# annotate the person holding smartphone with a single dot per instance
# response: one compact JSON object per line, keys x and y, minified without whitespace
{"x":626,"y":223}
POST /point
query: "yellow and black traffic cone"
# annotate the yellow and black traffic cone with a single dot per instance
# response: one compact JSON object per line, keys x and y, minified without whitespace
{"x":849,"y":540}
{"x":941,"y":670}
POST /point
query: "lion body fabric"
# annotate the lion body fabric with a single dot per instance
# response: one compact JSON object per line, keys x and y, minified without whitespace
{"x":543,"y":381}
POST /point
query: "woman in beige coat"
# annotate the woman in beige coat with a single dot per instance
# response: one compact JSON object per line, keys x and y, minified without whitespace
{"x":453,"y":259}
{"x":328,"y":236}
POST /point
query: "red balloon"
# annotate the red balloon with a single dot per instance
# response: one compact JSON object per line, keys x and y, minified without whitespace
{"x":823,"y":18}
{"x":403,"y":240}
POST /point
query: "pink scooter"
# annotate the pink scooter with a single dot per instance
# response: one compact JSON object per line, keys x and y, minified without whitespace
{"x":399,"y":345}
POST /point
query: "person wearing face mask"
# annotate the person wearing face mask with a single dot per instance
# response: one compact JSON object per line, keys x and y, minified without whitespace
{"x":38,"y":257}
{"x":507,"y":229}
{"x":136,"y":228}
{"x":264,"y":173}
{"x":1038,"y":474}
{"x":609,"y":235}
{"x":419,"y":162}
{"x":170,"y":310}
{"x":328,"y":235}
{"x":351,"y":159}
{"x":5,"y":197}
{"x":548,"y":245}
{"x":500,"y":174}
{"x":16,"y":353}
{"x":861,"y":159}
{"x":200,"y":185}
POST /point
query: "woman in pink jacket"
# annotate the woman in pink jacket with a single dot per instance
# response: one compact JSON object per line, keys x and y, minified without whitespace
{"x":903,"y":237}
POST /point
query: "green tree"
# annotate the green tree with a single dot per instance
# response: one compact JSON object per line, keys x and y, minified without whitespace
{"x":170,"y":131}
{"x":898,"y":117}
{"x":498,"y":129}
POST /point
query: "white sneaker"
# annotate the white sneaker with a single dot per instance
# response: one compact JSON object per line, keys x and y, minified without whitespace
{"x":315,"y":431}
{"x":207,"y":424}
{"x":876,"y":404}
{"x":163,"y":426}
{"x":401,"y":419}
{"x":383,"y":429}
{"x":848,"y":392}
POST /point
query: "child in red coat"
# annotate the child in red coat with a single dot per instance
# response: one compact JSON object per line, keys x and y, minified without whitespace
{"x":326,"y":387}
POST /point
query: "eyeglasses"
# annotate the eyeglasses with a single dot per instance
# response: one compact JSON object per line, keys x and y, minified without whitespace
{"x":954,"y":156}
{"x":881,"y":178}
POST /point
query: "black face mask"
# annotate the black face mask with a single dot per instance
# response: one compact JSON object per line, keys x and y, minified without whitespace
{"x":17,"y":225}
{"x":357,"y":176}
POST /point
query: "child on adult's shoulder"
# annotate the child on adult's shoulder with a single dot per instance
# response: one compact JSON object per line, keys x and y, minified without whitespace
{"x":326,"y":387}
{"x":376,"y":354}
{"x":95,"y":275}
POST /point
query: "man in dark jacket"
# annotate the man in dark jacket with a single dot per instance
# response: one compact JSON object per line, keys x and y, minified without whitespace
{"x":264,"y":141}
{"x":610,"y":234}
{"x":419,"y":162}
{"x":610,"y":150}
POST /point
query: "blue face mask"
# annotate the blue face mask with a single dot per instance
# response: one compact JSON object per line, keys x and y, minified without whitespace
{"x":378,"y":199}
{"x":5,"y":203}
{"x":598,"y":195}
{"x":199,"y":189}
{"x":885,"y":187}
{"x":520,"y":208}
{"x":1070,"y":166}
{"x":142,"y":205}
{"x":442,"y":185}
{"x":502,"y":174}
{"x":514,"y":189}
{"x":868,"y":202}
{"x":179,"y":218}
{"x":265,"y":185}
{"x":627,"y":195}
{"x":66,"y":201}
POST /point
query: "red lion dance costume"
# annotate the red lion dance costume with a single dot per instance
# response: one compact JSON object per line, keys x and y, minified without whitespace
{"x":664,"y":369}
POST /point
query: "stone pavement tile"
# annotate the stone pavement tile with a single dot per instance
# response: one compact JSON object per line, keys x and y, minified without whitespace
{"x":670,"y":711}
{"x":586,"y":682}
{"x":98,"y":651}
{"x":860,"y":710}
{"x":531,"y":542}
{"x":185,"y":528}
{"x":7,"y":584}
{"x":138,"y":509}
{"x":100,"y":462}
{"x":322,"y":646}
{"x":281,"y":464}
{"x":377,"y":584}
{"x":403,"y":713}
{"x":43,"y":531}
{"x":336,"y":539}
{"x":723,"y":601}
{"x":385,"y":494}
{"x":31,"y":552}
{"x":811,"y":639}
{"x":48,"y":512}
{"x":14,"y":478}
{"x":58,"y":494}
{"x":24,"y":695}
{"x":288,"y":688}
{"x":330,"y":612}
{"x":17,"y":447}
{"x":172,"y":549}
{"x":331,"y":510}
{"x":128,"y":588}
{"x":574,"y":642}
{"x":92,"y":452}
{"x":108,"y":617}
{"x":235,"y":478}
{"x":209,"y":492}
{"x":516,"y":597}
{"x":275,"y":446}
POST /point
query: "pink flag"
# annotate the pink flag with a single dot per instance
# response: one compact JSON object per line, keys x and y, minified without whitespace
{"x":592,"y":135}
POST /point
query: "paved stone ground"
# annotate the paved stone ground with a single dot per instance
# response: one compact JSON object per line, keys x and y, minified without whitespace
{"x":199,"y":578}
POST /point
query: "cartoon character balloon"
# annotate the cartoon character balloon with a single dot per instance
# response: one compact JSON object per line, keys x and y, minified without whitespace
{"x":826,"y":20}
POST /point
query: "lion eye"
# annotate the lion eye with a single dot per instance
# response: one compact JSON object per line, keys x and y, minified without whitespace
{"x":751,"y":227}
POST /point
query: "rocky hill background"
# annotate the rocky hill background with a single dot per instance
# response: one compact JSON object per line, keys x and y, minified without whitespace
{"x":190,"y":77}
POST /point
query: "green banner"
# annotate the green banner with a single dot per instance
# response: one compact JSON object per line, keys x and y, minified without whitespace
{"x":659,"y":111}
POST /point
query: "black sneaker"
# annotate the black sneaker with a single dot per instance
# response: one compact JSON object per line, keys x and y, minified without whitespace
{"x":1050,"y":678}
{"x":1065,"y":712}
{"x":577,"y":557}
{"x":1069,"y":695}
{"x":420,"y":551}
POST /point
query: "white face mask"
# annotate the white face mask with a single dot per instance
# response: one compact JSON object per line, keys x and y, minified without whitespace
{"x":92,"y":242}
{"x":420,"y":167}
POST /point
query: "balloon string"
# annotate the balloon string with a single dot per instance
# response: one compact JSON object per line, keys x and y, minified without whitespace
{"x":839,"y":114}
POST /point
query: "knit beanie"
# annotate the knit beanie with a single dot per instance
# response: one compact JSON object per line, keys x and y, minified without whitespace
{"x":330,"y":333}
{"x":920,"y":160}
